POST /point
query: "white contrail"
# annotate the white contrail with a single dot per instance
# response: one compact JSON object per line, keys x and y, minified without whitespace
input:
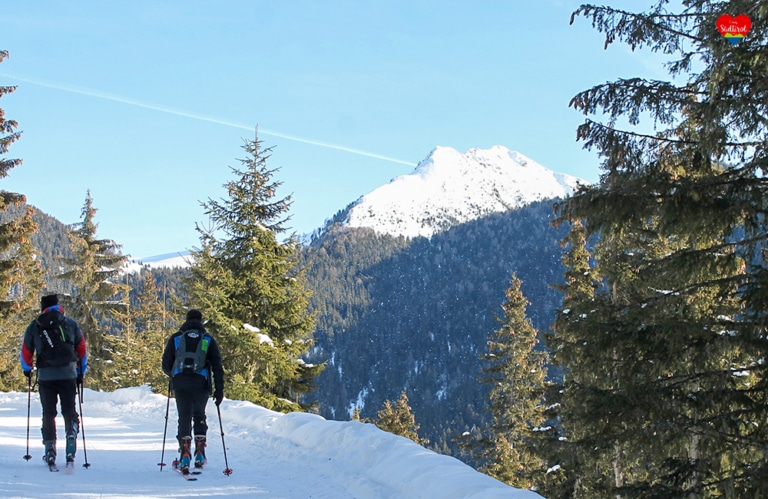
{"x":163,"y":109}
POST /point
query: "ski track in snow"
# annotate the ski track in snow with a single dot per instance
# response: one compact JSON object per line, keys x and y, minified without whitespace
{"x":272,"y":455}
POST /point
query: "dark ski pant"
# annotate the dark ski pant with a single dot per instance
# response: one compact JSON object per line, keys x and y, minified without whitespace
{"x":52,"y":392}
{"x":192,"y":393}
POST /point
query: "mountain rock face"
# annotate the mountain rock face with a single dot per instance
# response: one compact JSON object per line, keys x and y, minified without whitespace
{"x":449,"y":188}
{"x":409,"y":280}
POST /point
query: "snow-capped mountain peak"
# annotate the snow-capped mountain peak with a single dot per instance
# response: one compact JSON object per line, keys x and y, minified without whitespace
{"x":449,"y":188}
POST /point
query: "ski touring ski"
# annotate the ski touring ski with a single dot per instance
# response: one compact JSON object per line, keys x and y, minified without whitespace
{"x":189,"y":475}
{"x":52,"y":467}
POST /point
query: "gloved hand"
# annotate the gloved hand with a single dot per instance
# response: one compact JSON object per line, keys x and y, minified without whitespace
{"x":28,"y":374}
{"x":218,"y":396}
{"x":80,"y":380}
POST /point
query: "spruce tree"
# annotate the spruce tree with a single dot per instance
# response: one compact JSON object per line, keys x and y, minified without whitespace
{"x":138,"y":348}
{"x":255,"y":300}
{"x":566,"y":345}
{"x":665,"y":375}
{"x":20,"y":271}
{"x":515,"y":368}
{"x":96,"y":293}
{"x":356,"y":415}
{"x":399,"y":419}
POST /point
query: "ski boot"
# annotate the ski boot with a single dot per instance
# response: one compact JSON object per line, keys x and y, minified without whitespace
{"x":72,"y":441}
{"x":185,"y":457}
{"x":200,"y":451}
{"x":50,"y":451}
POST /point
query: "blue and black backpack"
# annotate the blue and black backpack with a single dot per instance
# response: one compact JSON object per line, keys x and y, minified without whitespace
{"x":191,"y":353}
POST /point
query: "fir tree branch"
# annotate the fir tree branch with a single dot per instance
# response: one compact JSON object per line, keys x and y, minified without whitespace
{"x":630,"y":25}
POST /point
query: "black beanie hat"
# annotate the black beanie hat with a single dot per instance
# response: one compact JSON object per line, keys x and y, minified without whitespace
{"x":194,"y":314}
{"x":48,"y":301}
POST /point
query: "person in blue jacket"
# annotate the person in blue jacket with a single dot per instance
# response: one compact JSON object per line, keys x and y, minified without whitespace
{"x":191,"y":357}
{"x":55,"y":344}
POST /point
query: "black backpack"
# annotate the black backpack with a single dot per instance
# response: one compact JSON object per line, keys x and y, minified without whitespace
{"x":57,"y":348}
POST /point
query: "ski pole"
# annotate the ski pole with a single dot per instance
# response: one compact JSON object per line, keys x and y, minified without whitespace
{"x":165,"y":430}
{"x":227,"y":470}
{"x":82,"y":426}
{"x":29,"y":399}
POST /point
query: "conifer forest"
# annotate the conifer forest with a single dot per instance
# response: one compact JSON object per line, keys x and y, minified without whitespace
{"x":612,"y":343}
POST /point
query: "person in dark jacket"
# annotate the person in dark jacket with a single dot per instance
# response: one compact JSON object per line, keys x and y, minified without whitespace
{"x":190,"y":357}
{"x":61,"y":363}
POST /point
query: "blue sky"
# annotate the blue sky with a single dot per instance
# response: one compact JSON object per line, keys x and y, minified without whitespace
{"x":147,"y":103}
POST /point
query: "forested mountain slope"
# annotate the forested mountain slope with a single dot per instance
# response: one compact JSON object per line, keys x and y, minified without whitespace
{"x":399,"y":314}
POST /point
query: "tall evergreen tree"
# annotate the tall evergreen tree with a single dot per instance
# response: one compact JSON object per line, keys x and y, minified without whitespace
{"x":245,"y":281}
{"x":138,"y":348}
{"x":20,"y":271}
{"x":567,"y":348}
{"x":667,"y":381}
{"x":96,"y":295}
{"x":515,"y":368}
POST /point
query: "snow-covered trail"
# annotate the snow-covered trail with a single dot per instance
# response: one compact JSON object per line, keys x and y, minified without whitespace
{"x":272,"y":455}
